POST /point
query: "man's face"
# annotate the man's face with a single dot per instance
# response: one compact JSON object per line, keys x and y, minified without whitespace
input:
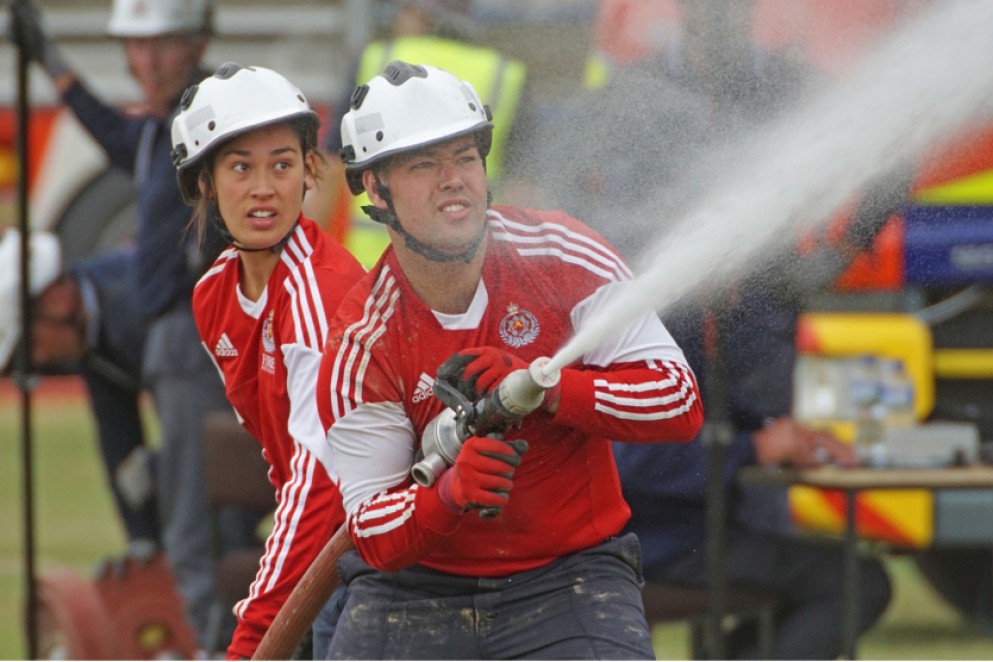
{"x":163,"y":65}
{"x":439,"y":194}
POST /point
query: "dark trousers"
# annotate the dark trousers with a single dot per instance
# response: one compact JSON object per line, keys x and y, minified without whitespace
{"x":583,"y":606}
{"x":806,"y":575}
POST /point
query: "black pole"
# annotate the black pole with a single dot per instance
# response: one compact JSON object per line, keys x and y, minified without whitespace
{"x":717,"y":433}
{"x":24,"y":371}
{"x":850,"y":621}
{"x":716,"y":436}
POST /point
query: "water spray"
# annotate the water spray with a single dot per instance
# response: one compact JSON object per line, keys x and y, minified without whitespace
{"x":924,"y":83}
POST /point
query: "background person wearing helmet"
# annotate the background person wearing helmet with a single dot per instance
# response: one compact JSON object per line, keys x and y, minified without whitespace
{"x":82,"y":321}
{"x":163,"y":42}
{"x":246,"y":151}
{"x":437,"y":32}
{"x":466,"y":294}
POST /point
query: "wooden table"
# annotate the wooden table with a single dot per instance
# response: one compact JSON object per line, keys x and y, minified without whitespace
{"x":852,"y":481}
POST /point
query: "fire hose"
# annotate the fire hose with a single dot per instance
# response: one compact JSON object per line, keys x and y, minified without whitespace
{"x":306,"y":601}
{"x":519,"y":394}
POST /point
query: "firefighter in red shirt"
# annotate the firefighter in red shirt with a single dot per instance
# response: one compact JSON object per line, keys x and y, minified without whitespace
{"x":245,"y":147}
{"x":484,"y":291}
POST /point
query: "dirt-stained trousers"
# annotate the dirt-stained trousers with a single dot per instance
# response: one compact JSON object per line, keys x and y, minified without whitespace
{"x":585,"y":606}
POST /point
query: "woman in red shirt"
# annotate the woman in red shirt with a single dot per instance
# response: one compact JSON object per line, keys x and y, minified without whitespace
{"x":244,"y":144}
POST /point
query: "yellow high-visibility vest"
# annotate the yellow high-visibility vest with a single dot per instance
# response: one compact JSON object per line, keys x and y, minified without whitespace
{"x":499,"y":81}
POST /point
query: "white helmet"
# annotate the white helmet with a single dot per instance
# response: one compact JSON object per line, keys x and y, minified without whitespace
{"x":407,"y":107}
{"x":46,"y":264}
{"x":148,"y":18}
{"x":234,"y":100}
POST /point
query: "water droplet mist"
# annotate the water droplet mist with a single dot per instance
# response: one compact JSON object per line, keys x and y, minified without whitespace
{"x":922,"y":84}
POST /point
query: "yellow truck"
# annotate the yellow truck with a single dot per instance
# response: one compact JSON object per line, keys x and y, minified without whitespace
{"x":923,"y":297}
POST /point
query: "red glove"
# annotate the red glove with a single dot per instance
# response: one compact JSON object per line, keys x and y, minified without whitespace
{"x":482,"y":473}
{"x":489,"y":367}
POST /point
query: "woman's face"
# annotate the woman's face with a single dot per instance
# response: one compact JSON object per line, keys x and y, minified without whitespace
{"x":259,"y":181}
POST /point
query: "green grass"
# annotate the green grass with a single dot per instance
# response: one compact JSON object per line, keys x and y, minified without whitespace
{"x":76,"y":526}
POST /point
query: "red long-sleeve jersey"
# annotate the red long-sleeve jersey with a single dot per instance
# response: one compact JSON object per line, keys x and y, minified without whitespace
{"x":545,"y":276}
{"x":268,"y":352}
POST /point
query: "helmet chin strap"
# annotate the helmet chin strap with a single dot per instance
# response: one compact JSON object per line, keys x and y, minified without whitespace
{"x":389,"y":218}
{"x":215,"y":217}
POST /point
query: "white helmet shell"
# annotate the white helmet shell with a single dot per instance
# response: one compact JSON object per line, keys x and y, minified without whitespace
{"x":46,"y":264}
{"x":232,"y":101}
{"x":149,"y":18}
{"x":404,"y":108}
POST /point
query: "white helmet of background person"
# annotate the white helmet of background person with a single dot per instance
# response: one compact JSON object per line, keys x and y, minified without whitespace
{"x":149,"y":18}
{"x":232,"y":101}
{"x":46,"y":265}
{"x":407,"y":107}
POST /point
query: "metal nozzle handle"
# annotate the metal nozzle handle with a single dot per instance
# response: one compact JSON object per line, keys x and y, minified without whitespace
{"x":427,"y":470}
{"x":523,"y":391}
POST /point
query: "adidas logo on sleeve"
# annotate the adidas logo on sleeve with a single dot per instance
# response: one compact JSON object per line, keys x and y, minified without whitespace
{"x":224,"y":347}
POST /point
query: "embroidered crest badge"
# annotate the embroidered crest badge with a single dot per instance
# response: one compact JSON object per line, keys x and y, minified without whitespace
{"x":519,"y":327}
{"x":268,"y":340}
